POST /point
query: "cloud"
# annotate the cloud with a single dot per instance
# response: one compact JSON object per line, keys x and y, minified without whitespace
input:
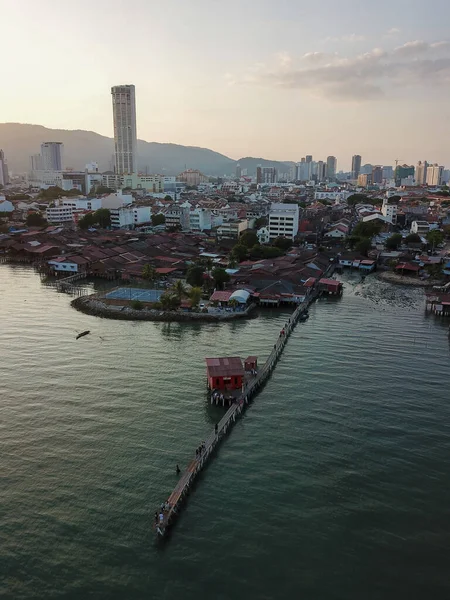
{"x":368,"y":76}
{"x":393,"y":31}
{"x":284,"y":58}
{"x":413,"y":48}
{"x":351,"y":38}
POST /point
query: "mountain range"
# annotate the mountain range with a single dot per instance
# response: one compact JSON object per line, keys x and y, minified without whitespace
{"x":19,"y":141}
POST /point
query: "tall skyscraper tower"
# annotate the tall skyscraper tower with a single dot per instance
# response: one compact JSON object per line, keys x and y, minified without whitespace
{"x":4,"y":173}
{"x":331,"y":167}
{"x":377,"y":174}
{"x":356,"y":166}
{"x":52,"y":156}
{"x":421,"y":172}
{"x":125,"y":135}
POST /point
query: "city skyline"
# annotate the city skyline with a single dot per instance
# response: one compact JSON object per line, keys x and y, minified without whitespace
{"x":360,"y":82}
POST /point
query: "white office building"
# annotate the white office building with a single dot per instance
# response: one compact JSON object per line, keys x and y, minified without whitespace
{"x":128,"y":217}
{"x":125,"y":134}
{"x":200,"y":219}
{"x":283,"y":220}
{"x":389,"y":211}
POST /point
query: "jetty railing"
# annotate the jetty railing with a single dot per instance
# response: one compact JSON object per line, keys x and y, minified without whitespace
{"x":170,"y":509}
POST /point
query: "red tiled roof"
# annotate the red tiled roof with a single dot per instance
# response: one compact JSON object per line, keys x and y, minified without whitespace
{"x":407,"y":267}
{"x":165,"y":270}
{"x":224,"y":367}
{"x":219,"y":296}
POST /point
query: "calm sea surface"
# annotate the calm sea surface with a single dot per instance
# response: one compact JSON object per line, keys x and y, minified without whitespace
{"x":335,"y":484}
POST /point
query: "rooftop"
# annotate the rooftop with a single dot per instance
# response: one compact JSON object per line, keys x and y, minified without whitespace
{"x":224,"y":367}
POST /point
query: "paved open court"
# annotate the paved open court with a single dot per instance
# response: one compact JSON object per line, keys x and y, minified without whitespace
{"x":135,"y":294}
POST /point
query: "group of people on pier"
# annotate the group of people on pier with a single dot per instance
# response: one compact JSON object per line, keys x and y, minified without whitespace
{"x":159,"y":517}
{"x":199,"y":451}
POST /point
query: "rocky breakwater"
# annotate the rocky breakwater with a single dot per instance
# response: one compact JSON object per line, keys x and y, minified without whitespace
{"x":93,"y":305}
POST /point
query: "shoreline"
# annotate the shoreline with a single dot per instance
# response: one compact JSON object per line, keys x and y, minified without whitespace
{"x":91,"y":305}
{"x":390,"y":277}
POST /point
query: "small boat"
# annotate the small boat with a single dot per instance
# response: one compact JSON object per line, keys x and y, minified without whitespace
{"x":303,"y":317}
{"x":82,"y":334}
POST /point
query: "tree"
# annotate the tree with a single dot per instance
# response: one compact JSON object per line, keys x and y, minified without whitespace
{"x":239,"y":252}
{"x":195,"y":275}
{"x":413,"y":238}
{"x":87,"y":221}
{"x":394,"y":241}
{"x":149,"y":273}
{"x":435,"y":237}
{"x":271,"y":252}
{"x":195,"y":295}
{"x":35,"y":219}
{"x":261,"y":222}
{"x":363,"y":246}
{"x":220,"y":277}
{"x":136,"y":305}
{"x":282,"y":242}
{"x":168,"y":198}
{"x":357,"y":199}
{"x":179,"y":290}
{"x":169,"y":301}
{"x":368,"y":229}
{"x":158,"y":219}
{"x":103,"y":217}
{"x":248,"y":239}
{"x":99,"y":190}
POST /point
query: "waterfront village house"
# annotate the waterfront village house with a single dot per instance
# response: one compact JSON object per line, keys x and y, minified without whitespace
{"x":225,"y":373}
{"x":330,"y":286}
{"x":69,"y":264}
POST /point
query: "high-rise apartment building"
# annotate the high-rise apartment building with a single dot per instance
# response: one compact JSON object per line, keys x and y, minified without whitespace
{"x":356,"y":166}
{"x":377,"y":175}
{"x":388,"y":172}
{"x":434,"y":175}
{"x":309,"y":158}
{"x":403,"y":172}
{"x":421,"y":172}
{"x":52,"y":156}
{"x":320,"y":169}
{"x":4,"y":173}
{"x":269,"y":175}
{"x":259,"y":174}
{"x":238,"y":171}
{"x":125,"y":134}
{"x":35,"y":162}
{"x":331,"y":167}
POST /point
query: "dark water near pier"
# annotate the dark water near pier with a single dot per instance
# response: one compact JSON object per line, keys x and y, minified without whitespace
{"x":335,"y":484}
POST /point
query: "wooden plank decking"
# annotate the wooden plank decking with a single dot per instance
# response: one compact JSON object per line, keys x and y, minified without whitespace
{"x":251,"y":388}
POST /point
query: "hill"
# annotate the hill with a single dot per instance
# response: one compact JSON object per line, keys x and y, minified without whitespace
{"x":20,"y":141}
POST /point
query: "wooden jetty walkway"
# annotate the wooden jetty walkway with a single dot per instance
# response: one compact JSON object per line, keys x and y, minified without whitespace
{"x":171,"y":508}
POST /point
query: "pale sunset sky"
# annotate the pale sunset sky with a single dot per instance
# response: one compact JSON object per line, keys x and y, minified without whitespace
{"x":242,"y":77}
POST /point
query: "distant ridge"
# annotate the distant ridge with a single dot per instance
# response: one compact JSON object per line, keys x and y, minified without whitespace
{"x":21,"y":140}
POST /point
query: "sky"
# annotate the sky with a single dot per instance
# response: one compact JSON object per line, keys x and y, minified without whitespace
{"x":268,"y":79}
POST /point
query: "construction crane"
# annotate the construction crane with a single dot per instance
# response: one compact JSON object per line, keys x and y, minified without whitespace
{"x":397,"y":160}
